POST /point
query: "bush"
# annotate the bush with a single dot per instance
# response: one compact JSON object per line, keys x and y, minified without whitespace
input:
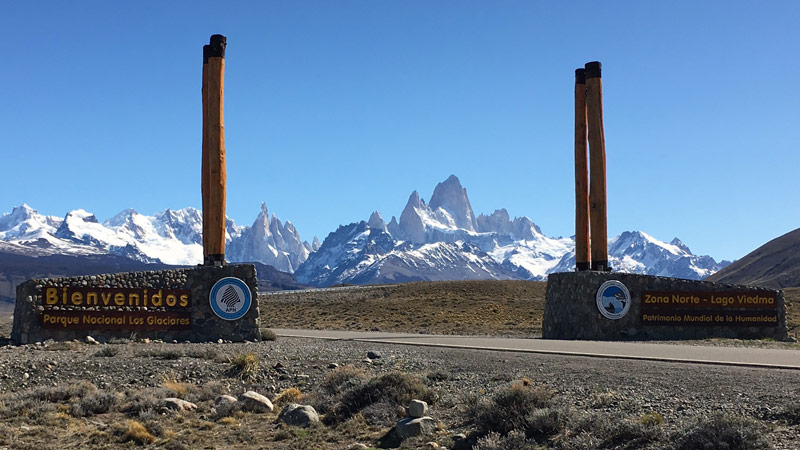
{"x":136,"y":432}
{"x":343,"y":378}
{"x":791,"y":414}
{"x":511,"y":407}
{"x":64,"y":392}
{"x":290,"y":395}
{"x":393,"y":388}
{"x":244,"y":365}
{"x":97,"y":402}
{"x":268,"y":335}
{"x":721,"y":431}
{"x":514,"y":440}
{"x":106,"y":352}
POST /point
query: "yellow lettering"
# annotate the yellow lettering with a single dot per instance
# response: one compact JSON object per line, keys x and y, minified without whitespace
{"x":184,"y":300}
{"x":119,"y":299}
{"x":171,"y":300}
{"x":156,"y":296}
{"x":77,"y":298}
{"x":106,"y":296}
{"x":51,"y":297}
{"x":133,"y":295}
{"x":91,"y":298}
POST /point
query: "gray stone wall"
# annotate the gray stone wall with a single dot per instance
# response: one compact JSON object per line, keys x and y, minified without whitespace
{"x":571,"y":311}
{"x":205,"y":324}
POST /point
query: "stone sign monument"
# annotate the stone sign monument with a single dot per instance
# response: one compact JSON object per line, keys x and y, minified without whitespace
{"x":594,"y":303}
{"x":205,"y":303}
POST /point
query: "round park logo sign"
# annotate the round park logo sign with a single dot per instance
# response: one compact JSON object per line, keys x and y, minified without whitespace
{"x":230,"y":298}
{"x":613,"y":299}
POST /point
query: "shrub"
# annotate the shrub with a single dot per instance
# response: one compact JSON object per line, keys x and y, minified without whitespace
{"x":106,"y":352}
{"x":170,"y":354}
{"x":791,"y":414}
{"x":136,"y":432}
{"x":392,"y":388}
{"x":97,"y":402}
{"x":509,"y":409}
{"x":343,"y":378}
{"x":268,"y":335}
{"x":514,"y":440}
{"x":244,"y":365}
{"x":721,"y":431}
{"x":64,"y":392}
{"x":290,"y":395}
{"x":651,"y":419}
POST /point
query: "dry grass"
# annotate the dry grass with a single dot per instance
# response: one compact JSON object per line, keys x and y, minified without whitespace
{"x":136,"y":432}
{"x":288,"y":395}
{"x":450,"y":307}
{"x":244,"y":365}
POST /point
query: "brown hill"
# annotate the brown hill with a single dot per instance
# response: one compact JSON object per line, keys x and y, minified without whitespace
{"x":775,"y":264}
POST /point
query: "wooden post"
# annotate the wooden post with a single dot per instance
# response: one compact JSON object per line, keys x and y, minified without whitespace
{"x":582,"y":253}
{"x":215,"y":241}
{"x":204,"y":164}
{"x":597,"y":165}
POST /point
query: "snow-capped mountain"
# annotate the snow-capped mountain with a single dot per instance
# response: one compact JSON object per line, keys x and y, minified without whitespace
{"x":170,"y":237}
{"x":365,"y":253}
{"x":271,"y":242}
{"x":638,"y":252}
{"x":443,"y":239}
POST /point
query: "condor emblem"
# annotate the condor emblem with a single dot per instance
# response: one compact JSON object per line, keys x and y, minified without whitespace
{"x":230,"y":298}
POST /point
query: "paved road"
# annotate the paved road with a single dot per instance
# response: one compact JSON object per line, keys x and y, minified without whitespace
{"x":736,"y":356}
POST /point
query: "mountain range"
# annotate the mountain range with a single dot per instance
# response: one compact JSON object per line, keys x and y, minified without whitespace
{"x":442,"y":239}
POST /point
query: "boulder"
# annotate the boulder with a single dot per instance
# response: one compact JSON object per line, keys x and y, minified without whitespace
{"x":225,"y":405}
{"x":373,"y":355}
{"x":299,"y":415}
{"x":417,"y":409}
{"x":254,"y":402}
{"x":415,"y":426}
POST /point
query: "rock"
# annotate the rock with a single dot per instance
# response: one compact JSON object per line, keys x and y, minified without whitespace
{"x":373,"y":355}
{"x":225,"y":398}
{"x":417,"y":408}
{"x":412,"y":427}
{"x":255,"y":402}
{"x":333,"y":366}
{"x":299,"y":415}
{"x":179,"y":404}
{"x":357,"y":446}
{"x":225,"y":405}
{"x":91,"y":340}
{"x":367,"y":361}
{"x":432,"y":445}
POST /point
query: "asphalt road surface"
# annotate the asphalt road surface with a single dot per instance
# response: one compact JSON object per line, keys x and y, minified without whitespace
{"x":697,"y":354}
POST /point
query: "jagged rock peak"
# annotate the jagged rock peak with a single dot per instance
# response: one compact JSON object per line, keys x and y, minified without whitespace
{"x":376,"y":221}
{"x":452,"y":197}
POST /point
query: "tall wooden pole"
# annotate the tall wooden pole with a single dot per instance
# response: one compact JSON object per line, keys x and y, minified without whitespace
{"x":597,"y":164}
{"x":204,"y":165}
{"x":215,"y":240}
{"x":582,"y":253}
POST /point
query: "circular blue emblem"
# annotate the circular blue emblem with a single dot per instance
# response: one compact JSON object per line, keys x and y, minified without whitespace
{"x":230,"y":298}
{"x":613,"y":299}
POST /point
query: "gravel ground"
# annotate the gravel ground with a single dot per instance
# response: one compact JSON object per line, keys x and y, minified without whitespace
{"x":681,"y":393}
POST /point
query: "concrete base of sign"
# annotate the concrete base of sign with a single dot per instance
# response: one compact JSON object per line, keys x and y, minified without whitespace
{"x":659,"y":309}
{"x":45,"y":308}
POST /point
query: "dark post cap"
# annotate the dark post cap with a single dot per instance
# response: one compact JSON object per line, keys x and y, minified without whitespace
{"x":206,"y":51}
{"x":217,"y":46}
{"x":593,"y":69}
{"x":580,"y":76}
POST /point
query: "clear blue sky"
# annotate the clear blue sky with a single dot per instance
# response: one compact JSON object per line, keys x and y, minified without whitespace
{"x":336,"y":109}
